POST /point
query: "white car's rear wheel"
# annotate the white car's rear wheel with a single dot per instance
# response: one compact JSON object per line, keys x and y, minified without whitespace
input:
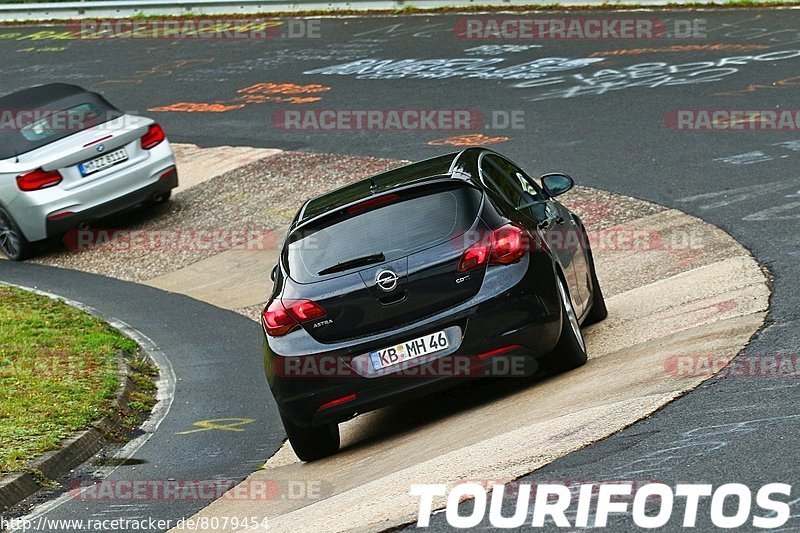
{"x":13,"y":243}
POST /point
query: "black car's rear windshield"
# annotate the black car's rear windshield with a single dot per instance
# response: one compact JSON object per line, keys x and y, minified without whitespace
{"x":26,"y":127}
{"x":405,"y":226}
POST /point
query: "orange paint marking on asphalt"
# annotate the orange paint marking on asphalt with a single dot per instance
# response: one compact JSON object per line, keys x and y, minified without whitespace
{"x":283,"y":88}
{"x":753,"y":87}
{"x":474,"y":139}
{"x":259,"y":93}
{"x":197,"y":107}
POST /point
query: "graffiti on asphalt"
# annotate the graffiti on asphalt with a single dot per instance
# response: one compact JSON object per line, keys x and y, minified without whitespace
{"x":258,"y":93}
{"x":761,"y":156}
{"x":467,"y":67}
{"x":648,"y":75}
{"x":793,"y":81}
{"x":158,"y":71}
{"x":472,"y":139}
{"x":541,"y":73}
{"x":406,"y":29}
{"x":681,"y":48}
{"x":498,"y":49}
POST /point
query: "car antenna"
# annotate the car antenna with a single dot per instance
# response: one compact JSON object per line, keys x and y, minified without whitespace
{"x":16,"y":156}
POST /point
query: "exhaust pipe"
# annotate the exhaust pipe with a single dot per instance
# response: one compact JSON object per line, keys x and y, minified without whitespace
{"x":158,"y":197}
{"x":83,"y":225}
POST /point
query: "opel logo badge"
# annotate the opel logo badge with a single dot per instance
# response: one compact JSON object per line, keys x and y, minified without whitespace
{"x":386,"y":280}
{"x":101,"y":147}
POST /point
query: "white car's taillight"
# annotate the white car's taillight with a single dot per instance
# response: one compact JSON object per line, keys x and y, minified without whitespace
{"x":38,"y":179}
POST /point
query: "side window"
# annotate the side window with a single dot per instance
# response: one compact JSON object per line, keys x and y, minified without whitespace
{"x":510,"y":182}
{"x":518,"y":176}
{"x":499,"y":181}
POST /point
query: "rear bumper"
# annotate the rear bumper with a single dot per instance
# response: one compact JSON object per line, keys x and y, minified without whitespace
{"x":167,"y":182}
{"x":521,"y":323}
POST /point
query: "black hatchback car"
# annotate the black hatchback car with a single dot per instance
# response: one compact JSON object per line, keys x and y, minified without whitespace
{"x":401,"y":283}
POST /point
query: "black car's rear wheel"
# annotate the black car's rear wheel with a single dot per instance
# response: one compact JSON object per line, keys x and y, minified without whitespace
{"x":598,"y":312}
{"x":13,"y":243}
{"x":310,"y":444}
{"x":570,"y":351}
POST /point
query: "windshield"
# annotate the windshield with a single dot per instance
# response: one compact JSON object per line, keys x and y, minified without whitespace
{"x":386,"y":233}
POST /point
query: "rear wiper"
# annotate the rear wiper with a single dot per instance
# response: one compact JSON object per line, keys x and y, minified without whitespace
{"x":352,"y":263}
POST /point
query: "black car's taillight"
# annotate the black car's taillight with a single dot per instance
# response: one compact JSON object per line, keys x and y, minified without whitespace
{"x":508,"y":245}
{"x":38,"y":179}
{"x":279,"y":318}
{"x":501,"y":247}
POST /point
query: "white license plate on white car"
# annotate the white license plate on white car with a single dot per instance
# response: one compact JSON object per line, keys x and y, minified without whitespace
{"x":393,"y":355}
{"x":104,"y":161}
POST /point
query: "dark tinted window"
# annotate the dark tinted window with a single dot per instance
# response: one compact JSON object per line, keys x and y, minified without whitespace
{"x":75,"y":118}
{"x":506,"y":179}
{"x":509,"y":181}
{"x":26,"y":126}
{"x":386,"y":180}
{"x":395,"y":230}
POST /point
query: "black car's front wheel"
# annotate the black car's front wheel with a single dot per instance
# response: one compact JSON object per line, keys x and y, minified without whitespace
{"x":312,"y":443}
{"x":570,"y":351}
{"x":12,"y":242}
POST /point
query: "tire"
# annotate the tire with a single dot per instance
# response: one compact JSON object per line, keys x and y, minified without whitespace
{"x":598,"y":313}
{"x":570,"y":351}
{"x":13,"y":243}
{"x":310,"y":444}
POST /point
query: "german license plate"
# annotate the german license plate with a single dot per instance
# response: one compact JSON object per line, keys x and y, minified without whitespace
{"x":426,"y":345}
{"x":104,"y":161}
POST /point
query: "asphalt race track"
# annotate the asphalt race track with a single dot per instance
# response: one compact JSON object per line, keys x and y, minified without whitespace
{"x":602,"y":113}
{"x":179,"y":448}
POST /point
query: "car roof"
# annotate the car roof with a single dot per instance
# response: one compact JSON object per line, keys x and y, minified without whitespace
{"x":39,"y":96}
{"x":433,"y":168}
{"x":45,"y":99}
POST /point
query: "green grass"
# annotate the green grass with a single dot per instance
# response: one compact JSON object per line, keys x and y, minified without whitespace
{"x":58,"y":373}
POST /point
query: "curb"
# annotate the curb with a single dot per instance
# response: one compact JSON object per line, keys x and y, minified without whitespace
{"x":72,"y":451}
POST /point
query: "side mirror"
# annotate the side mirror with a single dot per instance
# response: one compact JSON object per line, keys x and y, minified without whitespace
{"x":555,"y":184}
{"x":274,"y":273}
